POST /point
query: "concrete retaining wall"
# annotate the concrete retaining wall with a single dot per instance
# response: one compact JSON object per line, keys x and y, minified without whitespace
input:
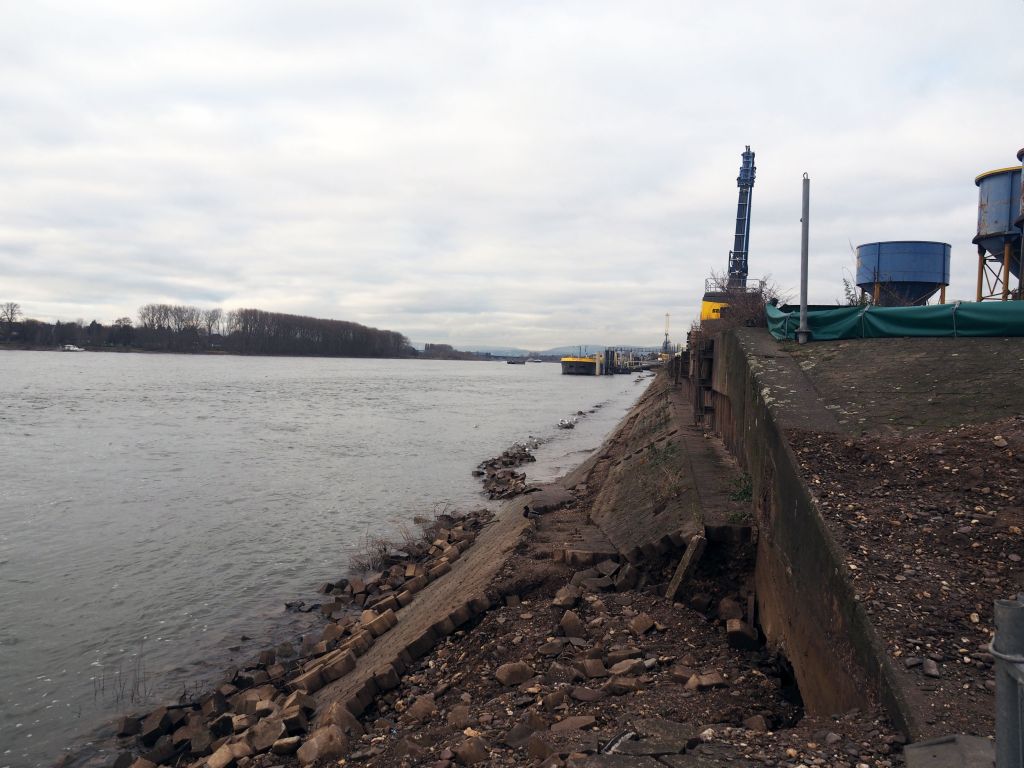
{"x":806,"y":602}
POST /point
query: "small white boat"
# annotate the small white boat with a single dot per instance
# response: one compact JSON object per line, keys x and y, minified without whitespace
{"x":71,"y":348}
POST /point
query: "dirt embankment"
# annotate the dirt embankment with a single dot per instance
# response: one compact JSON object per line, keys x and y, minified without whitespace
{"x":548,"y":642}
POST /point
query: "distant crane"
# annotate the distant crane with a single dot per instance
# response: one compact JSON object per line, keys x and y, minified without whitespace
{"x":717,"y":290}
{"x":666,"y":345}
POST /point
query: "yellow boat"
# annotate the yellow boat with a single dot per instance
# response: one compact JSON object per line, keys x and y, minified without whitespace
{"x":582,"y":366}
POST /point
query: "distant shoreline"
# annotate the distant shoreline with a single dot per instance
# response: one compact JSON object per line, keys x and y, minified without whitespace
{"x":469,"y":357}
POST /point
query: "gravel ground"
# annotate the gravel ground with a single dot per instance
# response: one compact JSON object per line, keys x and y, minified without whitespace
{"x":931,"y":525}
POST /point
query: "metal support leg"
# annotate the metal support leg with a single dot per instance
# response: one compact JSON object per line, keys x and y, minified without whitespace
{"x":1007,"y":255}
{"x":981,"y":270}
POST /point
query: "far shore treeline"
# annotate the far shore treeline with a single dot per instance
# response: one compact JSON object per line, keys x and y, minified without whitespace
{"x":182,"y":328}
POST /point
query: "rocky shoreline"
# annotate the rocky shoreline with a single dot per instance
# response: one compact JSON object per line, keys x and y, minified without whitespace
{"x":523,"y":639}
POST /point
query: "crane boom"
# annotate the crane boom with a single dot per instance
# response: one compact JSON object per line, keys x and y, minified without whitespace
{"x":741,"y":241}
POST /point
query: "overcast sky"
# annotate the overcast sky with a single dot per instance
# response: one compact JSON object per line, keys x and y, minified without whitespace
{"x":522,"y":173}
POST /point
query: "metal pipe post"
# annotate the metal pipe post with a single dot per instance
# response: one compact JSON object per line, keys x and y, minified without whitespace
{"x":803,"y":333}
{"x":1008,"y":649}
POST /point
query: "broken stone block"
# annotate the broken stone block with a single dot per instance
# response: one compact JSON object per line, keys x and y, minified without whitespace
{"x":756,"y":723}
{"x":422,"y":645}
{"x":458,"y":717}
{"x":587,"y":695}
{"x":460,"y":616}
{"x":300,"y":699}
{"x":566,"y":597}
{"x":332,"y":632}
{"x":294,"y":720}
{"x":422,"y":708}
{"x":262,"y":736}
{"x":472,"y":751}
{"x":623,"y":684}
{"x":709,"y":680}
{"x":387,"y":679}
{"x":338,"y":666}
{"x":593,"y":668}
{"x":514,"y":673}
{"x":286,"y":746}
{"x":539,"y":747}
{"x":627,"y":577}
{"x":310,"y":682}
{"x":741,"y":635}
{"x":326,"y":743}
{"x":552,"y":648}
{"x":729,"y":609}
{"x":383,"y":623}
{"x":619,"y":654}
{"x":628,"y":667}
{"x":571,"y":625}
{"x":641,"y":624}
{"x":128,"y":726}
{"x":156,"y":724}
{"x":439,"y":570}
{"x":573,"y":723}
{"x":555,"y":699}
{"x":444,"y":627}
{"x":213,"y":705}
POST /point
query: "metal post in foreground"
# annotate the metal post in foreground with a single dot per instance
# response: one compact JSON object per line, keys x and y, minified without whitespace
{"x":1008,"y":649}
{"x":803,"y":333}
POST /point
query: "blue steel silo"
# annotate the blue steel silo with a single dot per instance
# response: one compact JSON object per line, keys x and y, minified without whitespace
{"x":999,"y":233}
{"x":903,"y":273}
{"x":1019,"y":221}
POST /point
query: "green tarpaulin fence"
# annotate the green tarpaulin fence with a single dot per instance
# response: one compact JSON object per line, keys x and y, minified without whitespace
{"x":995,"y":318}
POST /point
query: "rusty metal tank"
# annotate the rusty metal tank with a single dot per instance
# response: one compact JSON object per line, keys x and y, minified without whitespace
{"x":999,"y":211}
{"x":1019,"y":221}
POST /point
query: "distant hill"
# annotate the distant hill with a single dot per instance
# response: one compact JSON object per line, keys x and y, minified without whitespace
{"x":586,"y":349}
{"x":498,"y":351}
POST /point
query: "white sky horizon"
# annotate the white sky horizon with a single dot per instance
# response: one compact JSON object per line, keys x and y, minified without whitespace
{"x":480,"y":173}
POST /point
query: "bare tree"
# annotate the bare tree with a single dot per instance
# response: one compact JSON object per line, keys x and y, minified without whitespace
{"x":211,"y":319}
{"x":743,"y":306}
{"x":10,"y":312}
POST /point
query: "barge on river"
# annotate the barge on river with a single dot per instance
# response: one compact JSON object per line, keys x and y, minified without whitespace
{"x":582,"y":366}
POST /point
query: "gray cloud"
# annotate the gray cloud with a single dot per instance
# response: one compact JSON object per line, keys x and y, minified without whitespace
{"x":527,"y":173}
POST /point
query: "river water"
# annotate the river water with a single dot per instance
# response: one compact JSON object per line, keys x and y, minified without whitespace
{"x":156,"y":510}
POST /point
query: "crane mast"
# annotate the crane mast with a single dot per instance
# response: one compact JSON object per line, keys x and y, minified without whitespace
{"x":741,"y":241}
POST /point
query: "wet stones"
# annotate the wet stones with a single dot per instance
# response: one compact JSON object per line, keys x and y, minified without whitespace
{"x":499,"y":479}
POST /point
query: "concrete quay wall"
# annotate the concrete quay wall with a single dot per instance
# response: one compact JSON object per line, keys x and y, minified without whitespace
{"x":806,"y":602}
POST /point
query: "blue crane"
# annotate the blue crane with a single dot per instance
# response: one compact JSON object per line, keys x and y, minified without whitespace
{"x":741,"y":242}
